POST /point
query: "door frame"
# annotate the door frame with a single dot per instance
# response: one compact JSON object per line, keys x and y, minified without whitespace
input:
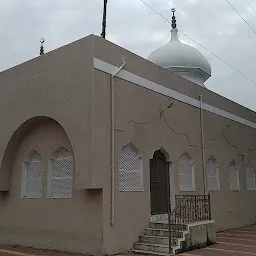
{"x":171,"y":172}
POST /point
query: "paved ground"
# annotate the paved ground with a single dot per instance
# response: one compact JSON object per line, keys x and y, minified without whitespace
{"x":6,"y":250}
{"x":239,"y":242}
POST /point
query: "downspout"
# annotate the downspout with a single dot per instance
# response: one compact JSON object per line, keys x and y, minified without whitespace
{"x":202,"y":141}
{"x":112,"y":88}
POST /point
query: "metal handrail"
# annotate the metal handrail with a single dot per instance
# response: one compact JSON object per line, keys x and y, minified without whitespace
{"x":189,"y":209}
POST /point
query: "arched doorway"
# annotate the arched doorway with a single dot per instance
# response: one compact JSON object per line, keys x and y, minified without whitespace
{"x":159,"y":182}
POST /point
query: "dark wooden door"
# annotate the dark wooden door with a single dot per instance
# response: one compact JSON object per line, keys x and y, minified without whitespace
{"x":158,"y":183}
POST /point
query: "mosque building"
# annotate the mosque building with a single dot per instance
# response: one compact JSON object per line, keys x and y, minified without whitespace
{"x":98,"y":145}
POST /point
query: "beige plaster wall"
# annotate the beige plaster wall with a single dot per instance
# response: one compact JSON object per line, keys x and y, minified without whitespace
{"x":63,"y":224}
{"x":231,"y":209}
{"x":58,"y":85}
{"x":132,"y":209}
{"x":138,"y":119}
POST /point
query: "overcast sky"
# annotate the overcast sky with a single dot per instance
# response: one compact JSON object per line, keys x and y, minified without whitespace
{"x":135,"y":27}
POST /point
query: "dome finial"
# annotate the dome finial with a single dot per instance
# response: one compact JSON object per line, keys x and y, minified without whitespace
{"x":174,"y":24}
{"x":42,"y":46}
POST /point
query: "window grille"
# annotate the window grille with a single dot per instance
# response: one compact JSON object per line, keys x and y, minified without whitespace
{"x":234,"y":183}
{"x":61,"y":174}
{"x":186,"y":173}
{"x":32,"y":182}
{"x":130,"y":169}
{"x":250,"y":178}
{"x":212,"y":175}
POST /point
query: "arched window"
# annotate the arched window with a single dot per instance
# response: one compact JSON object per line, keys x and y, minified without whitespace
{"x":32,"y":180}
{"x":61,"y":171}
{"x":186,"y":173}
{"x":130,"y":169}
{"x":212,"y":169}
{"x":250,"y":178}
{"x":234,"y":184}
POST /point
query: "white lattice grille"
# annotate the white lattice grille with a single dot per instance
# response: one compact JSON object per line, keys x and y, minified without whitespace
{"x":130,"y":169}
{"x":250,"y":178}
{"x":233,"y":177}
{"x":212,"y":175}
{"x":186,"y":173}
{"x":33,"y":176}
{"x":61,"y":182}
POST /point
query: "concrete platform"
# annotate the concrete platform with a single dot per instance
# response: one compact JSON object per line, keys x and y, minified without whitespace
{"x":238,"y":242}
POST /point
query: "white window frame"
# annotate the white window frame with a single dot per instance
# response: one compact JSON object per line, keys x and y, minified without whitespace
{"x":24,"y":175}
{"x":50,"y":170}
{"x":253,"y":178}
{"x":141,"y":189}
{"x":237,"y":177}
{"x":192,"y":164}
{"x":217,"y":173}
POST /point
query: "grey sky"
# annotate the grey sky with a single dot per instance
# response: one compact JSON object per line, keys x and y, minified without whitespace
{"x":134,"y":26}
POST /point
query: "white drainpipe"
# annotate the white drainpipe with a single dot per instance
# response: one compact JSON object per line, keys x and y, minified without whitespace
{"x":202,"y":144}
{"x":112,"y":199}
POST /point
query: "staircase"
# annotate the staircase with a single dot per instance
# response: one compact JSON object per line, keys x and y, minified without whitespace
{"x":190,"y":209}
{"x":156,"y":239}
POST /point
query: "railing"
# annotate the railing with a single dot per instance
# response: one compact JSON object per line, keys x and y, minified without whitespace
{"x":189,"y":209}
{"x":192,"y":208}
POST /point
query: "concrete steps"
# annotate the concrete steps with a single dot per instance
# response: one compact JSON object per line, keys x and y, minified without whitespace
{"x":156,"y":239}
{"x":165,"y":226}
{"x":162,"y":248}
{"x":149,"y":253}
{"x":162,"y":232}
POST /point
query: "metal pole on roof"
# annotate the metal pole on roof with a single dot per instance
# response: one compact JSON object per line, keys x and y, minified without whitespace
{"x":104,"y":20}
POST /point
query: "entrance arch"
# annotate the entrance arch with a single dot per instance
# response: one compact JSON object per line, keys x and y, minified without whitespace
{"x":159,"y":182}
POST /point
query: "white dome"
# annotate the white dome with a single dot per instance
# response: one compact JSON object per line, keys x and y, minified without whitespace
{"x":182,"y":59}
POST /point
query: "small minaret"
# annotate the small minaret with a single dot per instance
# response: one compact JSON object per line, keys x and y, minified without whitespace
{"x":42,"y":46}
